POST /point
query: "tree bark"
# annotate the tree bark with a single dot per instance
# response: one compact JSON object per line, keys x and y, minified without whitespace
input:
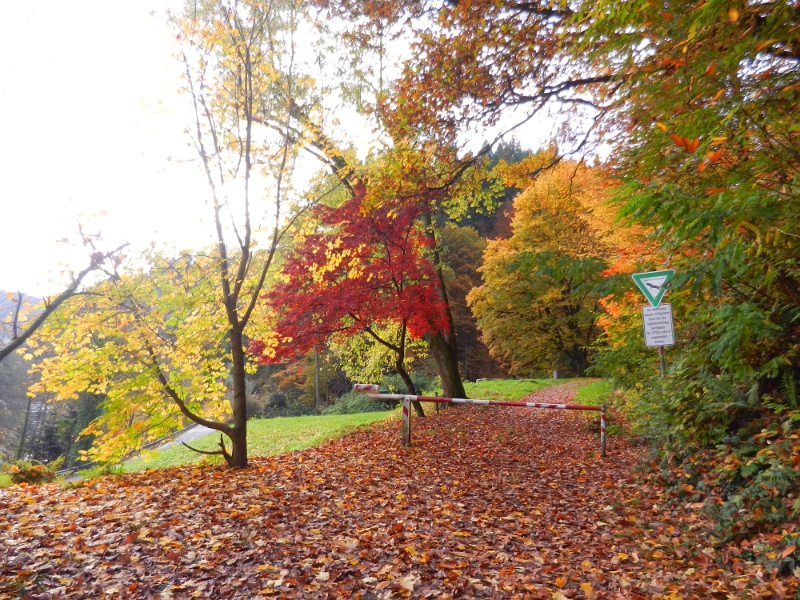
{"x":238,"y":433}
{"x":409,"y":387}
{"x":442,"y":344}
{"x":445,"y":361}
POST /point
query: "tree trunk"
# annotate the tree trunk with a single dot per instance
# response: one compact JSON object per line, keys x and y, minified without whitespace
{"x":442,"y":345}
{"x":21,"y":446}
{"x":238,"y":456}
{"x":409,"y":387}
{"x":445,"y":361}
{"x":238,"y":435}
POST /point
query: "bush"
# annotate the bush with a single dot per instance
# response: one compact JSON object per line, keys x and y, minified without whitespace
{"x":33,"y":471}
{"x":394,"y":384}
{"x":281,"y":406}
{"x":355,"y":402}
{"x":102,"y":470}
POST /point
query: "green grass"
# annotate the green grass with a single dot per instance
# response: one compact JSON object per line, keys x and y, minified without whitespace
{"x":594,"y":393}
{"x":265,"y":437}
{"x":508,"y":389}
{"x":5,"y":480}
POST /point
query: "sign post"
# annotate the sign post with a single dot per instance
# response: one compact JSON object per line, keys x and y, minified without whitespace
{"x":659,"y":330}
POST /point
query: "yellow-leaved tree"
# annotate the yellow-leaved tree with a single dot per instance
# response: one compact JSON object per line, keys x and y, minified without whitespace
{"x":540,"y":300}
{"x":164,"y":339}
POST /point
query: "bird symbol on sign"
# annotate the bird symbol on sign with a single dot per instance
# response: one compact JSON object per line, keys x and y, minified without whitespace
{"x":652,"y":286}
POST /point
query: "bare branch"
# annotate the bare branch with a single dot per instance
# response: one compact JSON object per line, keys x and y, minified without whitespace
{"x":221,"y":452}
{"x":50,"y":307}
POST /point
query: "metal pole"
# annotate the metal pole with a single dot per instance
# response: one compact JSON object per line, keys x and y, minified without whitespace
{"x":603,"y":430}
{"x":316,"y":379}
{"x":661,"y":362}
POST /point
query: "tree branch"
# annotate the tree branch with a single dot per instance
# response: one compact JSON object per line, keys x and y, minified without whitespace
{"x":221,"y":452}
{"x":97,"y":259}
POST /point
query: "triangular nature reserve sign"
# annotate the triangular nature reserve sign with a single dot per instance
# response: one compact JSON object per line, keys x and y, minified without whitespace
{"x":653,"y":284}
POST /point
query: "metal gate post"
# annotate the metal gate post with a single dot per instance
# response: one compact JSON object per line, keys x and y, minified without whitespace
{"x":406,"y":436}
{"x":603,"y":430}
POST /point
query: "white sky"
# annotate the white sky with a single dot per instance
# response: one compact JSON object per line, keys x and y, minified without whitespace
{"x":83,"y":131}
{"x":90,"y":117}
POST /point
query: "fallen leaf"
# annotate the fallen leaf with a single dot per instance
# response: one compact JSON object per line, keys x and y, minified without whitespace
{"x":409,"y":582}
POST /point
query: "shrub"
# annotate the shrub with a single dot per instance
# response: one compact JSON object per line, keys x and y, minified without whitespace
{"x":281,"y":406}
{"x":394,"y":383}
{"x":354,"y":402}
{"x":33,"y":471}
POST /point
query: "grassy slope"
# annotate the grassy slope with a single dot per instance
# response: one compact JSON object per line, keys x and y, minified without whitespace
{"x":508,"y":389}
{"x":594,"y":393}
{"x":265,"y":437}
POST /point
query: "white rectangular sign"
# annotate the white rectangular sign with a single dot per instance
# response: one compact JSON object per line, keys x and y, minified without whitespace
{"x":658,"y":327}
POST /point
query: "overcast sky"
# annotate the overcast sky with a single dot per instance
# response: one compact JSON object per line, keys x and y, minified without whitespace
{"x":83,"y":131}
{"x":92,"y":126}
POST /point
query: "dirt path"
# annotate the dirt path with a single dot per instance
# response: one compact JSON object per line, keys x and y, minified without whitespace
{"x":489,"y":503}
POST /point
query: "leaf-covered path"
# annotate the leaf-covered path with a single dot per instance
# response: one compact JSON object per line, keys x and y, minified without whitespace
{"x":489,"y":503}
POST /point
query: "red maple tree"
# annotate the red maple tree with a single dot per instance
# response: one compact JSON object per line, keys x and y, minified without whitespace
{"x":365,"y":269}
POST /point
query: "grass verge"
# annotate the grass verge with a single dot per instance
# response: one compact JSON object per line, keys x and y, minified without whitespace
{"x":508,"y":389}
{"x":265,"y":437}
{"x":594,"y":393}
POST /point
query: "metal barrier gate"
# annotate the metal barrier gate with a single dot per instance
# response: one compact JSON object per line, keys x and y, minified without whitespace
{"x":373,"y":391}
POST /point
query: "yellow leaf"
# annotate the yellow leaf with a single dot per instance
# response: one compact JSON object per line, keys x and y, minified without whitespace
{"x":658,"y":554}
{"x":588,"y":591}
{"x":733,"y":15}
{"x":622,"y":556}
{"x":662,"y":127}
{"x":561,"y":582}
{"x":28,"y":356}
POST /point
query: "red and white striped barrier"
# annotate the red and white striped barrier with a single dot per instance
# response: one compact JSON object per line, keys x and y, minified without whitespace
{"x":373,"y":391}
{"x":366,"y":387}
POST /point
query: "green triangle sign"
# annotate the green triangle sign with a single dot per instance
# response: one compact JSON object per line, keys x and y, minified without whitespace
{"x":653,"y":284}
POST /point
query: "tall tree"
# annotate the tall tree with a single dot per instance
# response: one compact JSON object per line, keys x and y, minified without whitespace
{"x":182,"y":324}
{"x":537,"y":307}
{"x":709,"y":150}
{"x":462,"y":252}
{"x":366,"y":270}
{"x":409,"y":175}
